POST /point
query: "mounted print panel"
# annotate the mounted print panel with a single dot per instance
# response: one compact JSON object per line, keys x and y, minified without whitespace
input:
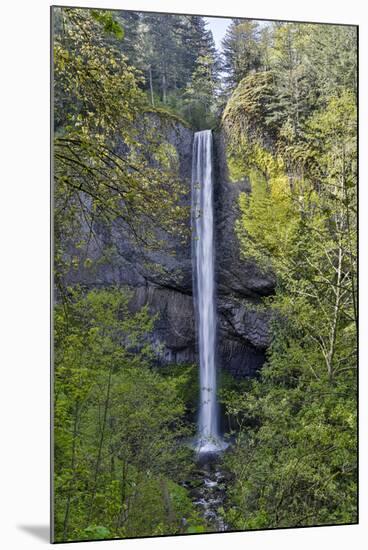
{"x":205,"y":274}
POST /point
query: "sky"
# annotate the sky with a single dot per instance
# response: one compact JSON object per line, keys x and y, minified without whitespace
{"x":218,"y":27}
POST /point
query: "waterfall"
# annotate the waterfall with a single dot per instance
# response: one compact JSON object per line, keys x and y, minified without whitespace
{"x":204,"y":289}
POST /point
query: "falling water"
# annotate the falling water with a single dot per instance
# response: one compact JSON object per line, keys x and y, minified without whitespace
{"x":203,"y":270}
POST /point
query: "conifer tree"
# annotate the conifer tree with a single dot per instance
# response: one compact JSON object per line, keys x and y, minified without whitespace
{"x":241,"y":50}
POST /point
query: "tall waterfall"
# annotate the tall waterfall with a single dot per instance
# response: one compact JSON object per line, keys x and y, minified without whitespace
{"x":203,"y":289}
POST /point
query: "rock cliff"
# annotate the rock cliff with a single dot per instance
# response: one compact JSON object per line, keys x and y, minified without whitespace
{"x":163,"y":280}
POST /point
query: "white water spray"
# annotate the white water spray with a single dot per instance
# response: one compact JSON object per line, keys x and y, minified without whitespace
{"x":208,"y":439}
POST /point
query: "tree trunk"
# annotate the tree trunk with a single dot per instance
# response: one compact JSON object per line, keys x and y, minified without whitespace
{"x":72,"y":467}
{"x":151,"y":86}
{"x":164,"y":85}
{"x":122,"y":515}
{"x":335,"y":318}
{"x":167,"y":501}
{"x":99,"y":453}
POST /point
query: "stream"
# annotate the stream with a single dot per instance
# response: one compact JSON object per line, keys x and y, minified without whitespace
{"x":208,"y":492}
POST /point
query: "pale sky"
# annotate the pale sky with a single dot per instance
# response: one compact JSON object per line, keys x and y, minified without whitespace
{"x":218,"y":27}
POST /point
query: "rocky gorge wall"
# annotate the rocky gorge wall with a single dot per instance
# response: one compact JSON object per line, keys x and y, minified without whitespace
{"x":162,"y":279}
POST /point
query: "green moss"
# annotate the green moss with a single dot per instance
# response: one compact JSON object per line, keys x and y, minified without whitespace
{"x":249,"y":105}
{"x":246,"y":120}
{"x":167,"y":156}
{"x":237,"y":170}
{"x":167,"y":115}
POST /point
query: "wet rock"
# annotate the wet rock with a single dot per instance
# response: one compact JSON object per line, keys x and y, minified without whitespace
{"x":162,"y":279}
{"x":208,"y":496}
{"x":235,"y":275}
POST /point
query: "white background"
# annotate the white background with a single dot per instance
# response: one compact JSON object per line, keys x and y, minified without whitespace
{"x":24,"y":273}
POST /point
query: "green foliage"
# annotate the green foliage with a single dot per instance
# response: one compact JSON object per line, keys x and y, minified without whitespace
{"x":297,"y":466}
{"x":118,"y":425}
{"x":110,"y":25}
{"x":94,"y":532}
{"x":200,"y":92}
{"x":108,"y":145}
{"x":249,"y":104}
{"x":195,"y":529}
{"x":187,"y":380}
{"x":292,"y":134}
{"x":242,"y":51}
{"x":122,"y":82}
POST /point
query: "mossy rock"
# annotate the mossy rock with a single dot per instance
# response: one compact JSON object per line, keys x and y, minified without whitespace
{"x":250,"y":105}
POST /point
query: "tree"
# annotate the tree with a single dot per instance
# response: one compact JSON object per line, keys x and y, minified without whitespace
{"x":168,"y":47}
{"x":129,"y":22}
{"x":297,"y":423}
{"x":103,"y":170}
{"x":241,"y":50}
{"x":117,"y":425}
{"x":200,"y":92}
{"x":332,"y":61}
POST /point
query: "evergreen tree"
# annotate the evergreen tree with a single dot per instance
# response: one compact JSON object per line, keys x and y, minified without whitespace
{"x":200,"y":93}
{"x":165,"y":52}
{"x":294,"y":91}
{"x":241,"y":50}
{"x":168,"y":49}
{"x":331,"y":58}
{"x":129,"y":22}
{"x":298,"y":421}
{"x":289,"y":128}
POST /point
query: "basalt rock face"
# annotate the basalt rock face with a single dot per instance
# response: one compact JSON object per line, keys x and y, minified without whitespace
{"x":243,"y":334}
{"x":163,"y":280}
{"x":234,"y":274}
{"x":117,"y":257}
